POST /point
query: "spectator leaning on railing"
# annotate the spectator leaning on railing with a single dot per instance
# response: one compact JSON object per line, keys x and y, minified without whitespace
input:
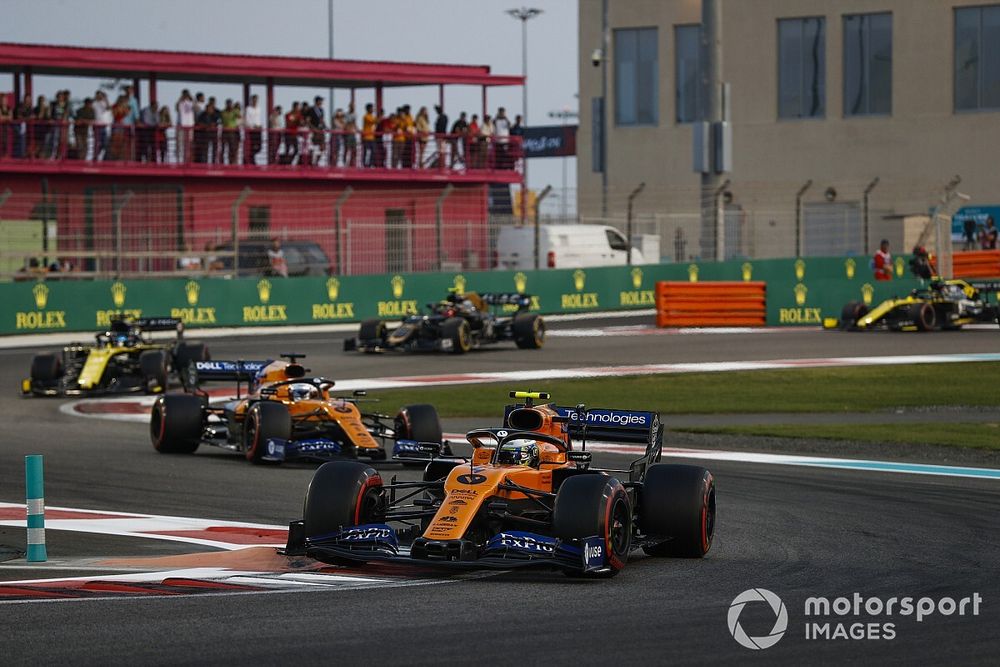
{"x":6,"y":126}
{"x":252,"y":123}
{"x":85,"y":117}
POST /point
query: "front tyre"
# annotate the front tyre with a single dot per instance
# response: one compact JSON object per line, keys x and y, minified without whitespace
{"x":46,"y":368}
{"x":457,"y":330}
{"x":852,"y":313}
{"x":342,"y":494}
{"x":175,"y":424}
{"x":265,"y":420}
{"x":153,"y":366}
{"x":677,"y":502}
{"x":595,"y":505}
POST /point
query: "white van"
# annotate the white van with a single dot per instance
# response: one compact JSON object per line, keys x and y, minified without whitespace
{"x":563,"y":247}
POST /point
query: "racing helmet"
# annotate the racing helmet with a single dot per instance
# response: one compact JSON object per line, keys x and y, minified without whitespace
{"x":519,"y":452}
{"x":301,"y":391}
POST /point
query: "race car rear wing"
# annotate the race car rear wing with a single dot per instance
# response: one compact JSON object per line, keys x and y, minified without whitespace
{"x":153,"y":323}
{"x":506,"y":299}
{"x":221,"y":371}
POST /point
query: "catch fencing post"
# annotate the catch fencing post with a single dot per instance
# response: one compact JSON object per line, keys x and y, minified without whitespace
{"x":35,"y":503}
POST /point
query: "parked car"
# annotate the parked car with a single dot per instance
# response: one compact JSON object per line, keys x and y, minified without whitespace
{"x":304,"y":258}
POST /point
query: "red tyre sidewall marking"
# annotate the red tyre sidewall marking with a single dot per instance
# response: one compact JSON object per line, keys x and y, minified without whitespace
{"x":373,"y":481}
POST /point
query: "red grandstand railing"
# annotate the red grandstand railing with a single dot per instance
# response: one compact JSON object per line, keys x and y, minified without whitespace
{"x":280,"y":149}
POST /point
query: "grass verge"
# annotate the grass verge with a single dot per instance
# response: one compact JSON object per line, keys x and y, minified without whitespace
{"x":977,"y":435}
{"x":855,"y":389}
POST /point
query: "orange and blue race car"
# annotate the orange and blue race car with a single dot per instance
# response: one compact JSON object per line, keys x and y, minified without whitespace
{"x":286,"y":415}
{"x":527,"y":497}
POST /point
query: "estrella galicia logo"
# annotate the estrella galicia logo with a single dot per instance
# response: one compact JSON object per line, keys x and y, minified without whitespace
{"x":472,"y":479}
{"x":448,"y":519}
{"x":780,"y":619}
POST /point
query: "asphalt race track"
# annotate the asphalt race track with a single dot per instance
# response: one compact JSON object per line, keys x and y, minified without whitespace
{"x":799,"y":532}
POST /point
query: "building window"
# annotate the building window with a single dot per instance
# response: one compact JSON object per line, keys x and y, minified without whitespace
{"x":867,"y":64}
{"x":636,"y":77}
{"x":687,"y":43}
{"x":977,"y":58}
{"x":802,"y":68}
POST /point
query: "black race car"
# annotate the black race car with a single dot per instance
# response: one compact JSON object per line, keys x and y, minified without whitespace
{"x":458,"y":324}
{"x":124,"y":359}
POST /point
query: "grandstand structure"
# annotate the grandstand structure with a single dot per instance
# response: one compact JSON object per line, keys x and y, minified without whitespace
{"x":145,"y":207}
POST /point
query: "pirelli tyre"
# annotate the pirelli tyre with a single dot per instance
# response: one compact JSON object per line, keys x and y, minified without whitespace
{"x":596,"y":504}
{"x":529,"y":331}
{"x":264,"y":420}
{"x":185,"y":355}
{"x":418,"y":422}
{"x":457,"y":330}
{"x":924,"y":316}
{"x":372,"y":330}
{"x":46,"y":368}
{"x":852,"y":313}
{"x":153,"y":366}
{"x":176,"y":423}
{"x":342,"y":494}
{"x":677,"y":502}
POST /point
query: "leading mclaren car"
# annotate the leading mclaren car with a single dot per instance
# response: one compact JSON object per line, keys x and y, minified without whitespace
{"x":527,"y":497}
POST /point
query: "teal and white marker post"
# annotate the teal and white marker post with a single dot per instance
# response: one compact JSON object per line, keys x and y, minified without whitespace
{"x":35,"y":497}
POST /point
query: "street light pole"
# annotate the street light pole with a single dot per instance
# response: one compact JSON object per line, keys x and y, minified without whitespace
{"x":564,"y":114}
{"x":523,"y":15}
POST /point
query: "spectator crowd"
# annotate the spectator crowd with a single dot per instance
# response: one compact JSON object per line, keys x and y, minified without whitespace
{"x":198,"y":130}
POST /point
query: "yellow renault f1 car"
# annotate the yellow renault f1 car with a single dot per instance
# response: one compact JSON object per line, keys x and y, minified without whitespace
{"x":527,"y":497}
{"x":943,"y":304}
{"x":124,"y":359}
{"x":285,"y":416}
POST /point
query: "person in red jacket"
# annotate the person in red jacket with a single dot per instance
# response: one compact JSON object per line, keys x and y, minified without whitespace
{"x":882,"y":262}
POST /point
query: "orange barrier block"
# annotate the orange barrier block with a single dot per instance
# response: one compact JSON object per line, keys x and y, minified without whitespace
{"x":711,"y":304}
{"x":976,"y":264}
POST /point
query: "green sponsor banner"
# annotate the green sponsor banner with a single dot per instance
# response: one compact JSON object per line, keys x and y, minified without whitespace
{"x":799,"y":292}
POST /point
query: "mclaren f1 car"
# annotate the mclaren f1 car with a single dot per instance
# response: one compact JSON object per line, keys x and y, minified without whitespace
{"x":528,"y":496}
{"x":287,"y":415}
{"x":457,"y":324}
{"x":942,"y":304}
{"x":124,"y":359}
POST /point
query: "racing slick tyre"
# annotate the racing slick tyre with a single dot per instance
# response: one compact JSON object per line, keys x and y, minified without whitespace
{"x":153,"y":366}
{"x":457,"y":330}
{"x":46,"y":367}
{"x":529,"y":331}
{"x":418,"y":422}
{"x":589,"y":505}
{"x":372,"y":330}
{"x":185,"y":355}
{"x":924,"y":316}
{"x":264,"y":420}
{"x":342,"y":494}
{"x":852,"y":313}
{"x":175,"y":424}
{"x":678,"y":501}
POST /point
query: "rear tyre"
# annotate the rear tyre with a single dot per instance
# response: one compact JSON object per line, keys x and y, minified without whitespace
{"x":185,"y":356}
{"x":264,"y":420}
{"x":589,"y":505}
{"x":342,"y":494}
{"x":458,"y":332}
{"x":418,"y":422}
{"x":924,"y":316}
{"x":153,"y":366}
{"x":175,"y":424}
{"x":529,"y":331}
{"x":678,"y":501}
{"x":852,"y":313}
{"x":46,"y":367}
